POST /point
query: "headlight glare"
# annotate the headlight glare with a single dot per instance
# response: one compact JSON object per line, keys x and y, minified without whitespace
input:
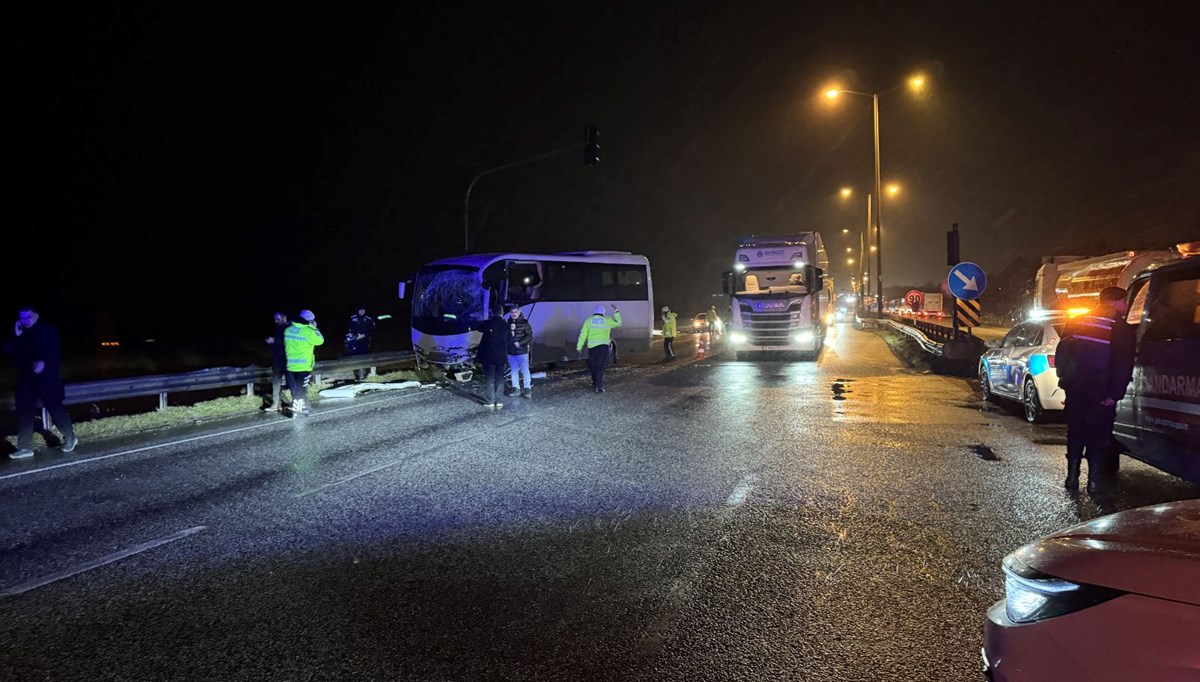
{"x":1030,"y":596}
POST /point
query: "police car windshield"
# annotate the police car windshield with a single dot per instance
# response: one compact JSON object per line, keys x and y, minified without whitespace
{"x":772,"y":281}
{"x":449,"y":298}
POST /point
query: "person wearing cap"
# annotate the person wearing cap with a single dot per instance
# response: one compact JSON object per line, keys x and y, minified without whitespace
{"x":1094,"y":362}
{"x":669,"y":329}
{"x":299,"y":341}
{"x":358,"y":337}
{"x":596,"y":335}
{"x":519,"y":347}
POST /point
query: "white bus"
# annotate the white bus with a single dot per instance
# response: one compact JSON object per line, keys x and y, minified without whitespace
{"x":556,"y":293}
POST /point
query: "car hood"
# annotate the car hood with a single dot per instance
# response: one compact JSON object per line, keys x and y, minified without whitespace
{"x":1152,"y":550}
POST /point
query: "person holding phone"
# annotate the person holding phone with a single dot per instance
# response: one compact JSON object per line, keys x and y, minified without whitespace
{"x":36,"y":350}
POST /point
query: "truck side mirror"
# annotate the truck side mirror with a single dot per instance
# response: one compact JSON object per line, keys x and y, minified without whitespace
{"x":727,"y":282}
{"x":813,"y":278}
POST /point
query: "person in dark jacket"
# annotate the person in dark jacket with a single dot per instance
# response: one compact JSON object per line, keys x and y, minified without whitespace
{"x":1094,"y":361}
{"x":519,"y":350}
{"x":358,"y":337}
{"x":36,"y":351}
{"x":493,"y":355}
{"x":278,"y":362}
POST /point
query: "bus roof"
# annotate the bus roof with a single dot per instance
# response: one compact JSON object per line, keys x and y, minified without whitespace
{"x":482,"y":260}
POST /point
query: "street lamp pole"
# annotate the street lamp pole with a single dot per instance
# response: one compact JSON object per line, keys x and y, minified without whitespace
{"x":865,"y":276}
{"x":878,"y":217}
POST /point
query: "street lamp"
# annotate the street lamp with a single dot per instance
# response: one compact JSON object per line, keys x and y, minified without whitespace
{"x":864,"y":274}
{"x":917,"y":84}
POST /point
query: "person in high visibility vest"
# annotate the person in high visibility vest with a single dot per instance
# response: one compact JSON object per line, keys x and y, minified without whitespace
{"x":299,"y":340}
{"x":669,"y":329}
{"x":596,"y":335}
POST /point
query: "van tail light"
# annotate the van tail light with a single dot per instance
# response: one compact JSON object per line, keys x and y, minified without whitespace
{"x":1050,"y":359}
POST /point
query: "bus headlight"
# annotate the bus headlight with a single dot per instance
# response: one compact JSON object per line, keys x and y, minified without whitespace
{"x":737,"y":337}
{"x":805,"y":337}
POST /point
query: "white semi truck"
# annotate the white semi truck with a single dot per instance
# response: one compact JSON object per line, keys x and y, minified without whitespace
{"x":780,"y":298}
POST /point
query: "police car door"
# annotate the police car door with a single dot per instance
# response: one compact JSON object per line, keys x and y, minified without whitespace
{"x":998,"y":370}
{"x":1028,"y":341}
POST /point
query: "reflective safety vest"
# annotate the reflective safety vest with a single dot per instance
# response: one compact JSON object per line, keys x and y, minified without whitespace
{"x":299,"y":340}
{"x":669,"y":326}
{"x":597,"y":331}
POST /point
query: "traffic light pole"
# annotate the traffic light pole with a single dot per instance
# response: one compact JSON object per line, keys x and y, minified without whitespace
{"x":514,"y":164}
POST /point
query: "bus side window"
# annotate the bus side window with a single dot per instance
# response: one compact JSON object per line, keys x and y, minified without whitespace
{"x":524,"y":282}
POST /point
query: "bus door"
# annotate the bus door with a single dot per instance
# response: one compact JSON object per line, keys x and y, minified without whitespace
{"x":523,"y":287}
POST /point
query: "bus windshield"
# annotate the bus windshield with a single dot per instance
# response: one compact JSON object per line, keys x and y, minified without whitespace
{"x":447,"y":300}
{"x":772,"y":281}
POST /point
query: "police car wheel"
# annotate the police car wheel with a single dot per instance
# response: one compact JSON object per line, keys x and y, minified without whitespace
{"x":985,"y":386}
{"x":1033,"y":404}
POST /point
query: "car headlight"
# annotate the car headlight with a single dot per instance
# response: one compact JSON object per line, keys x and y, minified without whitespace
{"x":1030,"y":596}
{"x":737,"y":337}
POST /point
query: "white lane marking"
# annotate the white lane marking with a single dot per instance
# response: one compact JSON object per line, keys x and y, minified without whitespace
{"x":743,"y":489}
{"x":197,"y":438}
{"x":28,"y":585}
{"x":385,"y":465}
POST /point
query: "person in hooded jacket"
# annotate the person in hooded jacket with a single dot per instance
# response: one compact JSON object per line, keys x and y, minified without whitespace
{"x":35,"y":349}
{"x":493,"y":355}
{"x":519,"y":349}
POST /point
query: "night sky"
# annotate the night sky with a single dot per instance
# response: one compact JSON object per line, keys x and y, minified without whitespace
{"x":184,"y":168}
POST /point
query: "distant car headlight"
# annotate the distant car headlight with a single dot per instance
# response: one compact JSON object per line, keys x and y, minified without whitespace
{"x":737,"y":337}
{"x":805,"y":337}
{"x":1030,"y":596}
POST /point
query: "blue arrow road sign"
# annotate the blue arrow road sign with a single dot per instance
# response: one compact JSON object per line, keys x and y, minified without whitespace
{"x":966,"y":281}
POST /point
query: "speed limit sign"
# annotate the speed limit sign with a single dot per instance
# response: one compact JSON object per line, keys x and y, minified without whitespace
{"x":914,"y":298}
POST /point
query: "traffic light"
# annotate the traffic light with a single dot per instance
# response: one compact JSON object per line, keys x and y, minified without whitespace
{"x":952,"y":246}
{"x":591,"y":150}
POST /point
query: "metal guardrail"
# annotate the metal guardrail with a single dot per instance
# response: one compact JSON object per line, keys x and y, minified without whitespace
{"x":929,"y":345}
{"x":204,"y":380}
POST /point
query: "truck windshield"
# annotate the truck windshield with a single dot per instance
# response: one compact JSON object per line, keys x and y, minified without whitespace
{"x":447,"y":300}
{"x":772,"y":281}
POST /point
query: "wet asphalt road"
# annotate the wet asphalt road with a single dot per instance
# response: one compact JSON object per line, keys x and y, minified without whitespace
{"x":702,"y":520}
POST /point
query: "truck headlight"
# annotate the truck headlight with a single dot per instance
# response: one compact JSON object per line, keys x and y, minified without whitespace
{"x":805,"y":337}
{"x":1030,"y":596}
{"x":737,"y":337}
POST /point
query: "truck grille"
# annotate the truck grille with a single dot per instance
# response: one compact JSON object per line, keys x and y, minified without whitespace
{"x":771,"y":328}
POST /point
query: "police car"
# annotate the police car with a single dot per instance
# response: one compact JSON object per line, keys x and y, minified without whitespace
{"x":1021,"y":366}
